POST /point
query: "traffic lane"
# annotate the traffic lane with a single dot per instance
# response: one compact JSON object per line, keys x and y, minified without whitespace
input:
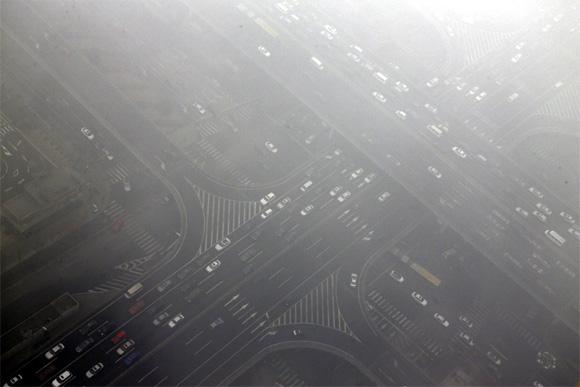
{"x":274,"y":270}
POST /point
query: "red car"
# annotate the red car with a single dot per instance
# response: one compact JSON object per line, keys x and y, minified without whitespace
{"x":118,"y":337}
{"x":137,"y":307}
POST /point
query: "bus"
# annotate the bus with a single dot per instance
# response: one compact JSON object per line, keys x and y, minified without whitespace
{"x":555,"y":237}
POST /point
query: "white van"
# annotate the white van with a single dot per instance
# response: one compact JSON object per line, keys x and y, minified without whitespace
{"x":555,"y":237}
{"x":133,"y":290}
{"x":381,"y":77}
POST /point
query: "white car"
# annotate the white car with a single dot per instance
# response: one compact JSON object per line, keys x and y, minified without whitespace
{"x":397,"y":277}
{"x":267,"y":199}
{"x":494,"y":358}
{"x":441,"y":320}
{"x":345,"y":195}
{"x":283,"y":203}
{"x":379,"y":97}
{"x":308,"y":140}
{"x":271,"y":147}
{"x":356,"y":48}
{"x":522,"y":212}
{"x":353,"y":280}
{"x":213,"y":265}
{"x":317,"y":63}
{"x":199,"y":108}
{"x":330,"y":29}
{"x":356,"y":173}
{"x":567,"y":217}
{"x":516,"y":58}
{"x":459,"y":152}
{"x":540,"y":215}
{"x":87,"y":132}
{"x":306,"y":185}
{"x":432,"y":82}
{"x":435,"y":130}
{"x":466,"y":321}
{"x":370,"y":177}
{"x":94,"y":370}
{"x":401,"y":114}
{"x":266,"y":213}
{"x":355,"y":58}
{"x":335,"y":190}
{"x":435,"y":172}
{"x":481,"y":96}
{"x":542,"y":207}
{"x":401,"y":87}
{"x":327,"y":35}
{"x":384,"y":196}
{"x":13,"y":380}
{"x":175,"y":320}
{"x":306,"y":210}
{"x":61,"y":379}
{"x":264,"y":51}
{"x":108,"y":154}
{"x":430,"y":108}
{"x":53,"y":351}
{"x":223,"y":244}
{"x":466,"y":339}
{"x":537,"y":193}
{"x":513,"y":96}
{"x":419,"y":298}
{"x":573,"y":231}
{"x":123,"y":348}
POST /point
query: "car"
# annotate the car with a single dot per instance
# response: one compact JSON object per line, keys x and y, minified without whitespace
{"x":160,"y":318}
{"x":94,"y":208}
{"x":431,"y":83}
{"x":397,"y":276}
{"x":51,"y":353}
{"x":13,"y":380}
{"x":459,"y":152}
{"x":547,"y":27}
{"x":466,"y":339}
{"x":130,"y":358}
{"x":345,"y":195}
{"x":123,"y":348}
{"x":306,"y":185}
{"x":494,"y":357}
{"x":401,"y":87}
{"x":175,"y":320}
{"x":540,"y":216}
{"x":355,"y":58}
{"x":536,"y":192}
{"x":223,"y":244}
{"x":283,"y":203}
{"x":353,"y":280}
{"x":118,"y":337}
{"x":370,"y":177}
{"x":356,"y":48}
{"x":520,"y":45}
{"x":217,"y":322}
{"x":441,"y":320}
{"x":199,"y":108}
{"x":108,"y":154}
{"x":516,"y":58}
{"x":296,"y":332}
{"x":105,"y":330}
{"x":575,"y":232}
{"x":264,"y":51}
{"x":330,"y":29}
{"x":356,"y":173}
{"x":542,"y":207}
{"x":94,"y":370}
{"x":137,"y":307}
{"x":271,"y":147}
{"x":419,"y":298}
{"x":87,"y":132}
{"x":266,"y":213}
{"x":267,"y":199}
{"x":380,"y":77}
{"x":84,"y":344}
{"x":430,"y":108}
{"x":327,"y":35}
{"x":317,"y":63}
{"x":61,"y":379}
{"x":466,"y":321}
{"x":306,"y":210}
{"x":164,"y":285}
{"x":401,"y":114}
{"x":384,"y":196}
{"x":308,"y":140}
{"x":88,"y":327}
{"x":379,"y":97}
{"x":335,"y":190}
{"x":126,"y":185}
{"x":213,"y":265}
{"x":567,"y":217}
{"x":558,"y":84}
{"x":481,"y":96}
{"x":513,"y":96}
{"x":435,"y":130}
{"x":435,"y":172}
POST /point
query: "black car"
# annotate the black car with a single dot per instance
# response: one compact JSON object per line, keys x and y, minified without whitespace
{"x":84,"y":344}
{"x":88,"y":327}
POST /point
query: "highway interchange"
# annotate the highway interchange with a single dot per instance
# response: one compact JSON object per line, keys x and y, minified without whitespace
{"x":354,"y":217}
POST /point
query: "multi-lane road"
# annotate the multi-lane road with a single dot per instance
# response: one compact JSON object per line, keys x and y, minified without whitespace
{"x":397,"y":154}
